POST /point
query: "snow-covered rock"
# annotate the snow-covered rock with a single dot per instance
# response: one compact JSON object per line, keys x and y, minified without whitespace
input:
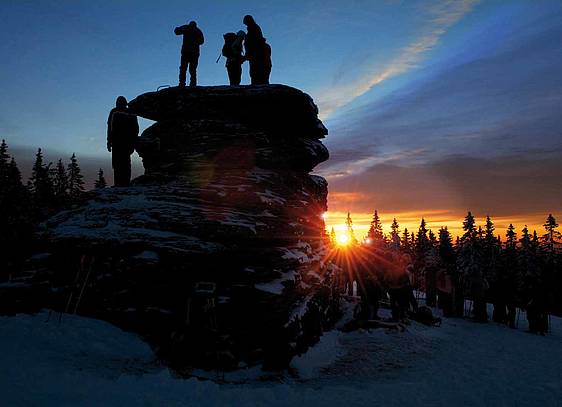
{"x":226,"y":199}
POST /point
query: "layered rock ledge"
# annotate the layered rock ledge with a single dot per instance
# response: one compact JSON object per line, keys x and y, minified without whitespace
{"x":227,"y":198}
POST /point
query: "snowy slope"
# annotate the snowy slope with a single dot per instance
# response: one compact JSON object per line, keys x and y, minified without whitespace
{"x":85,"y":362}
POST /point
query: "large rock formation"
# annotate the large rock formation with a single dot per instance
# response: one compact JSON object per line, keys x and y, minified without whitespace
{"x":227,"y":199}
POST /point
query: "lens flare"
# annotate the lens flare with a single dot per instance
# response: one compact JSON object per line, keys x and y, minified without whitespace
{"x":342,"y":239}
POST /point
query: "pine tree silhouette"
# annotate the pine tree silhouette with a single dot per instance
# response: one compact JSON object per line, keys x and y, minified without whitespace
{"x":395,"y":234}
{"x":60,"y":182}
{"x":405,"y":243}
{"x":100,"y":182}
{"x":511,"y":237}
{"x":422,"y":241}
{"x":15,"y":216}
{"x":551,"y":235}
{"x":446,"y":250}
{"x":469,"y":266}
{"x":75,"y":179}
{"x":375,"y":232}
{"x":41,"y":187}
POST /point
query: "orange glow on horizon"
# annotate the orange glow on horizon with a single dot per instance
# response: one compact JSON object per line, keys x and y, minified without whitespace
{"x":435,"y":219}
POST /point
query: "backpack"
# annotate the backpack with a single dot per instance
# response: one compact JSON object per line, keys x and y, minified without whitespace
{"x":227,"y":50}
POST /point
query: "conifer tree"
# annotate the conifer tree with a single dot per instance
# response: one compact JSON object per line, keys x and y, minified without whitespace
{"x":41,"y":187}
{"x":15,"y":215}
{"x":431,"y":266}
{"x":422,"y":241}
{"x":507,"y":283}
{"x":350,"y":232}
{"x":420,"y":249}
{"x":491,"y":252}
{"x":469,"y":227}
{"x":525,"y":238}
{"x":511,"y":237}
{"x":489,"y":232}
{"x":535,"y":240}
{"x":60,"y":182}
{"x":432,"y":238}
{"x":375,"y":232}
{"x":551,"y":235}
{"x":4,"y":162}
{"x":395,"y":234}
{"x":446,"y":250}
{"x":75,"y":179}
{"x":100,"y":182}
{"x":527,"y":256}
{"x":447,"y":263}
{"x":405,"y":240}
{"x":469,"y":266}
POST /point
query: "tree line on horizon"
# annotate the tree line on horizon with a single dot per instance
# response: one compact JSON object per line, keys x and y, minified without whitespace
{"x":480,"y":265}
{"x":23,"y":206}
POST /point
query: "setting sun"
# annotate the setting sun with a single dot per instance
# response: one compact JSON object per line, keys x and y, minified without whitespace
{"x":342,"y":239}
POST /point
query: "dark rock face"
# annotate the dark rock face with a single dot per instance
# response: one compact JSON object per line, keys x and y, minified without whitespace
{"x":226,"y":199}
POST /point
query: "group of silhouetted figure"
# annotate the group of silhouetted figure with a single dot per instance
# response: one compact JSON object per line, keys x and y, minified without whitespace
{"x":238,"y":47}
{"x":251,"y":46}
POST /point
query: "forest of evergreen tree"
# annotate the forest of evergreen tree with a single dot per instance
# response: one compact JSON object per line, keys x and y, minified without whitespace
{"x":520,"y":271}
{"x":23,"y":206}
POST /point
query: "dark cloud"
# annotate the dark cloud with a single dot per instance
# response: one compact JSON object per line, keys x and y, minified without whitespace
{"x":504,"y":186}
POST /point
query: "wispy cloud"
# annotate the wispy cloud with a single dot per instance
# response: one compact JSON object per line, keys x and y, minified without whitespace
{"x":441,"y":16}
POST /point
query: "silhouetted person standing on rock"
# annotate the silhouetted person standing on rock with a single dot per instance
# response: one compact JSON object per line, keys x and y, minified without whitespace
{"x":122,"y":132}
{"x":232,"y":50}
{"x":192,"y":40}
{"x":258,"y":52}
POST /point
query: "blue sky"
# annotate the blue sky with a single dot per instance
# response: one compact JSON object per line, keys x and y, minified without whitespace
{"x":405,"y":87}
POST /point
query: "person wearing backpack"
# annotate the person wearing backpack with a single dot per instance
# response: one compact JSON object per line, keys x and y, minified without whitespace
{"x":192,"y":40}
{"x":232,"y":50}
{"x":122,"y":132}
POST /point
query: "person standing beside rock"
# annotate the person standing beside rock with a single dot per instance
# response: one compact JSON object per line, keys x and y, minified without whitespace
{"x":192,"y":40}
{"x":258,"y":53}
{"x":122,"y":132}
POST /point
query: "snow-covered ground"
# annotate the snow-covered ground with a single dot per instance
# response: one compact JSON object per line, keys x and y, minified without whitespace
{"x":85,"y":362}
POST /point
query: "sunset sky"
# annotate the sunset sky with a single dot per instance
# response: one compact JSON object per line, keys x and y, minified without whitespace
{"x":434,"y":107}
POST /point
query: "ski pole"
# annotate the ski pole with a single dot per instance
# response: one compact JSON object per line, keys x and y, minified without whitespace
{"x":218,"y":59}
